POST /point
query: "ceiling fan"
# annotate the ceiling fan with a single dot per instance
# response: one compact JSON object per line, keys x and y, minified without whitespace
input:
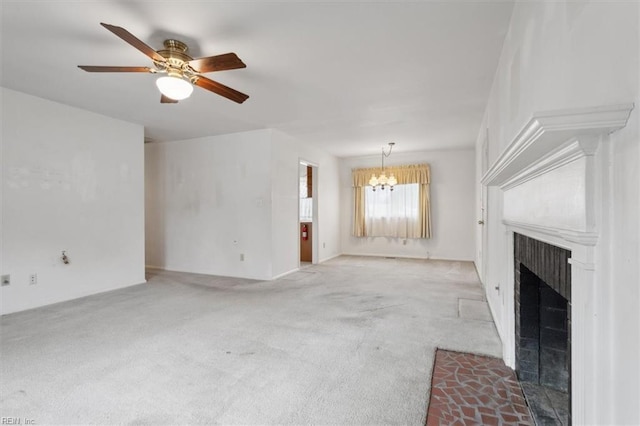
{"x":182,"y":71}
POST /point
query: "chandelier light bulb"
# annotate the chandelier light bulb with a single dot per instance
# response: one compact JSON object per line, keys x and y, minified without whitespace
{"x":383,"y":180}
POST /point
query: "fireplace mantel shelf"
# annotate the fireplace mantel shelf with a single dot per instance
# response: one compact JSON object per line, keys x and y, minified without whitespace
{"x":551,"y":139}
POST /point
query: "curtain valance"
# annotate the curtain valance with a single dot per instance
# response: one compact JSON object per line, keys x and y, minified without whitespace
{"x":413,"y":173}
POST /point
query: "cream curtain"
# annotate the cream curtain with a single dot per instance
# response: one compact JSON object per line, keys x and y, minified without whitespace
{"x":358,"y":219}
{"x":415,"y":173}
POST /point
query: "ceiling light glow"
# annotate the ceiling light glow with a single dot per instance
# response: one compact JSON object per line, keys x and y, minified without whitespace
{"x":175,"y":88}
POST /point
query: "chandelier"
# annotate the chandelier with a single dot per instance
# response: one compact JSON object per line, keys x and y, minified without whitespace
{"x":383,"y":180}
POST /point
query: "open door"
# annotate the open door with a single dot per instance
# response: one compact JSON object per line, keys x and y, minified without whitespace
{"x":308,"y":213}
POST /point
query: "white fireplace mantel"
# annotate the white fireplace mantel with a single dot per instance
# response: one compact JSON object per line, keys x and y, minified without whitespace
{"x":550,"y":139}
{"x":551,"y":176}
{"x":548,"y":174}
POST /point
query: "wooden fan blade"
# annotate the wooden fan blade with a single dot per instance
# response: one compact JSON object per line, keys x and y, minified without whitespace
{"x":134,"y":41}
{"x":167,"y":100}
{"x":92,"y":68}
{"x":221,"y":89}
{"x":228,"y":61}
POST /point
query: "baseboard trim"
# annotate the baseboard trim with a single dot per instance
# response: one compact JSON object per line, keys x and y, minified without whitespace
{"x":330,"y":257}
{"x":74,"y":298}
{"x":285,"y":273}
{"x":401,"y":256}
{"x":154,"y":267}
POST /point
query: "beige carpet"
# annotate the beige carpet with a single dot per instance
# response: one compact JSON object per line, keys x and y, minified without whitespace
{"x":350,"y":341}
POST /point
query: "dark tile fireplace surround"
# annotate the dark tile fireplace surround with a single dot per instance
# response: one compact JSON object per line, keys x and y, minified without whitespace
{"x":543,"y":328}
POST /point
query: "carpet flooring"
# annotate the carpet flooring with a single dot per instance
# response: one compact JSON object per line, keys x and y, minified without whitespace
{"x":349,"y":341}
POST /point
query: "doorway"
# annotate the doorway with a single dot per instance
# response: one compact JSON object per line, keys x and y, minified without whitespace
{"x":308,"y":213}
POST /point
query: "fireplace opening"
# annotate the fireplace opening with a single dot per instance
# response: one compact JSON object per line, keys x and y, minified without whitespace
{"x":543,"y":328}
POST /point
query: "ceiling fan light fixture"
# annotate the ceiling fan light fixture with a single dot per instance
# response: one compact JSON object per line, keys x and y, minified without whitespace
{"x":174,"y":87}
{"x":183,"y":72}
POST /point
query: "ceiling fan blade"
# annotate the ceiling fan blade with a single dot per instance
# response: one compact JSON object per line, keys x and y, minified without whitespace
{"x":228,"y":61}
{"x":221,"y":89}
{"x":167,"y":100}
{"x":134,"y":41}
{"x":92,"y":68}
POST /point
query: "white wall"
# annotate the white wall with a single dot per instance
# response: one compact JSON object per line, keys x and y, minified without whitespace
{"x":560,"y":55}
{"x":208,"y":200}
{"x":71,"y":180}
{"x":285,"y":196}
{"x":287,"y":154}
{"x":452,"y":207}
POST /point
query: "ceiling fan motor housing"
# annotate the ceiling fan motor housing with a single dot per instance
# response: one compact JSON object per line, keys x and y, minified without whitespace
{"x":175,"y":52}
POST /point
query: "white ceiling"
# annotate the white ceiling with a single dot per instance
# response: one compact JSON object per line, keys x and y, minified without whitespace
{"x":349,"y":77}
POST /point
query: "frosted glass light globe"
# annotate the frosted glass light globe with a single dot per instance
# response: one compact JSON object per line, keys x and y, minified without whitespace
{"x":174,"y":87}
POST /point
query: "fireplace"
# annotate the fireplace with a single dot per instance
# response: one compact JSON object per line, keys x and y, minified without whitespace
{"x":543,"y":327}
{"x":554,"y":179}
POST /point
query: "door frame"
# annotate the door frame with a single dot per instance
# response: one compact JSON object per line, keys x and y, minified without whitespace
{"x":315,"y":246}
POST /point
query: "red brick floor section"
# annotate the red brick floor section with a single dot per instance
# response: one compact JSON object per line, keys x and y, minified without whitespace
{"x":469,"y":389}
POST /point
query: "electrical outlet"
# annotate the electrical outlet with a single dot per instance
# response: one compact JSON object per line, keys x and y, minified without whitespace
{"x":324,"y":245}
{"x":33,"y":279}
{"x":241,"y":257}
{"x":6,"y":280}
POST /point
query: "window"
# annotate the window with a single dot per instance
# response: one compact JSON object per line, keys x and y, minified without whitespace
{"x":306,"y":202}
{"x":306,"y":209}
{"x":392,"y":213}
{"x":404,"y":212}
